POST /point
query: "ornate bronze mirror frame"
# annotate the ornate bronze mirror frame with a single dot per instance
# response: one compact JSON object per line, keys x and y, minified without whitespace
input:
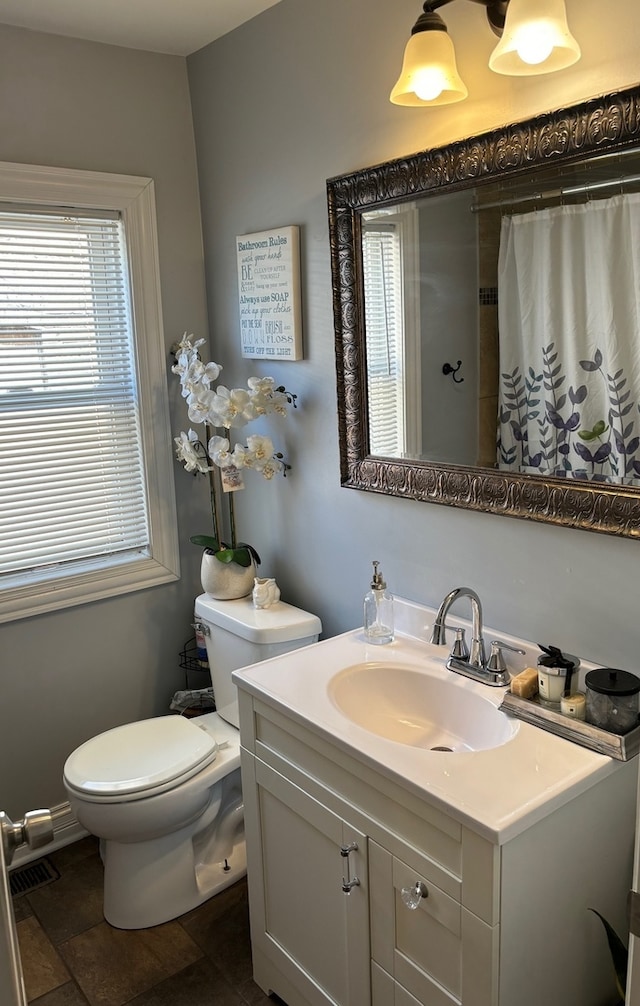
{"x":595,"y":127}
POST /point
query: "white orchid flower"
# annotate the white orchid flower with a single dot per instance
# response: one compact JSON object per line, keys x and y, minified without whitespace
{"x":271,"y":467}
{"x":212,"y":371}
{"x":260,"y":450}
{"x":181,"y":365}
{"x":261,"y":389}
{"x":261,"y":385}
{"x":240,"y":456}
{"x":260,"y":405}
{"x":230,"y":408}
{"x":189,"y":366}
{"x":187,"y":343}
{"x":266,"y":399}
{"x":279,"y":403}
{"x":200,"y":373}
{"x":190,"y":451}
{"x":218,"y":449}
{"x":199,"y":404}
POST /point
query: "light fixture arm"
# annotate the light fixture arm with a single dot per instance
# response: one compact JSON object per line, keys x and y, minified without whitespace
{"x":496,"y":14}
{"x":429,"y":20}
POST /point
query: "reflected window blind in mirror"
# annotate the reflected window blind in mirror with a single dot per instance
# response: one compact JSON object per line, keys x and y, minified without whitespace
{"x":390,"y":257}
{"x":382,"y":275}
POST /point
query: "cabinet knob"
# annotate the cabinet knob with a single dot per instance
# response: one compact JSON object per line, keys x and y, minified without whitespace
{"x":412,"y":896}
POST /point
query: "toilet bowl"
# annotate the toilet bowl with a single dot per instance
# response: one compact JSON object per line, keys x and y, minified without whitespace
{"x":164,"y":795}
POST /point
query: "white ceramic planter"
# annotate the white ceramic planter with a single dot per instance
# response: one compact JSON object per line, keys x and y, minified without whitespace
{"x":226,"y":580}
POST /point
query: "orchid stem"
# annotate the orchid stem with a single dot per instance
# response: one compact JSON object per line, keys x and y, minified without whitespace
{"x":213,"y":491}
{"x":232,"y":520}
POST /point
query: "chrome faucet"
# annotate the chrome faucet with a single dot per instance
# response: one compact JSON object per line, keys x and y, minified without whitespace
{"x":476,"y":656}
{"x":472,"y":663}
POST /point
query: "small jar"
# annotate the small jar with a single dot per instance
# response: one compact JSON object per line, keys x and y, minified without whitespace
{"x":613,"y":699}
{"x":574,"y":705}
{"x":555,"y":670}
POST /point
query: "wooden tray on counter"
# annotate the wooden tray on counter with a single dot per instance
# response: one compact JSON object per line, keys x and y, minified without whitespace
{"x":620,"y":746}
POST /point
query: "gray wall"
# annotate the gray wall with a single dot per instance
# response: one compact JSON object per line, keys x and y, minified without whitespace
{"x":298,"y":95}
{"x":65,"y":676}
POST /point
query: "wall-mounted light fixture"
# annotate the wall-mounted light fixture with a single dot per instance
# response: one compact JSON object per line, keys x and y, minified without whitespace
{"x":534,"y":39}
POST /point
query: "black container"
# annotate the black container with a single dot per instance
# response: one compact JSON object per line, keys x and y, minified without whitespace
{"x":613,"y":699}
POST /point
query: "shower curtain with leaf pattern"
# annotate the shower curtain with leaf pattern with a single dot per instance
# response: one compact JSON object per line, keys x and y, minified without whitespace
{"x":569,"y":321}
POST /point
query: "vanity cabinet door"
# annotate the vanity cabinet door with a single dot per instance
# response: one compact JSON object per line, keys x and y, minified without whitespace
{"x":315,"y":931}
{"x":436,"y":952}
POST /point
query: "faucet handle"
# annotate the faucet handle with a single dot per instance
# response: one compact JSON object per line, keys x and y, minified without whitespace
{"x":460,"y":650}
{"x":496,"y":659}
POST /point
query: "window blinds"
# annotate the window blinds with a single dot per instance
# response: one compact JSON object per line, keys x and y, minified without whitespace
{"x":383,"y":296}
{"x":72,"y":483}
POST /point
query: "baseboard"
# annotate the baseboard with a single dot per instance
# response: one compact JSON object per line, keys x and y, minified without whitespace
{"x":65,"y":831}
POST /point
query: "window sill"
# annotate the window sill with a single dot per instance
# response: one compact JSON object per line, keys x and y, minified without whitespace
{"x":52,"y":591}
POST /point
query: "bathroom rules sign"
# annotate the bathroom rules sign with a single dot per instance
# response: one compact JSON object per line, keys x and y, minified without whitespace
{"x":269,"y":294}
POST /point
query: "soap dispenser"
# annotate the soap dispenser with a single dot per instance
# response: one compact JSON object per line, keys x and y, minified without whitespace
{"x":378,"y":610}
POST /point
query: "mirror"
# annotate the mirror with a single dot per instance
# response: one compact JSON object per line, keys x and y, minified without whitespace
{"x":478,"y":365}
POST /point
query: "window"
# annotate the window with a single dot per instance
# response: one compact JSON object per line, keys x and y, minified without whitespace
{"x":391,"y":299}
{"x":86,"y":484}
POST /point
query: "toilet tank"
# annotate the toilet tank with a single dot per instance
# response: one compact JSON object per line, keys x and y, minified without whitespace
{"x":237,"y":634}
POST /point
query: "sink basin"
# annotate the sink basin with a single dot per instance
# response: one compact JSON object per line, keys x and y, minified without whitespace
{"x":413,"y":707}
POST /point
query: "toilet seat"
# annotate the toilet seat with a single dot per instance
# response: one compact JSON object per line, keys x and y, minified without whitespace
{"x":141,"y":759}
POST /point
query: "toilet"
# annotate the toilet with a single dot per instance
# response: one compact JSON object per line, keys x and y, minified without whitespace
{"x":163,"y":795}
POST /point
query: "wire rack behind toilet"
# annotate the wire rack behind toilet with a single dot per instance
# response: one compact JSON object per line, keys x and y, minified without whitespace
{"x":197,"y":696}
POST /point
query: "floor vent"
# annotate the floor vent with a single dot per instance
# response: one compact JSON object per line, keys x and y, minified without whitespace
{"x":28,"y":878}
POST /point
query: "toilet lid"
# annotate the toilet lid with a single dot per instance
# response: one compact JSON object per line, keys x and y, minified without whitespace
{"x":140,"y":756}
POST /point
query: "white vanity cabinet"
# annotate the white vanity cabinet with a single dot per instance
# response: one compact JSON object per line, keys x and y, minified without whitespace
{"x":498,"y":925}
{"x":310,"y":929}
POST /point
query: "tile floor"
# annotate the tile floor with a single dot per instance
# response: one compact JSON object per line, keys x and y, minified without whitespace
{"x":72,"y":957}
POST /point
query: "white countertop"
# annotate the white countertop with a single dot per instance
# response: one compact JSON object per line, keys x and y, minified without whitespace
{"x":498,"y":792}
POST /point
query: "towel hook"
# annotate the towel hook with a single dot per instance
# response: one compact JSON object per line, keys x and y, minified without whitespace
{"x":449,"y":369}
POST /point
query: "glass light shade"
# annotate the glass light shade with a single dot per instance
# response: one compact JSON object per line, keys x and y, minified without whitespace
{"x":536,"y":39}
{"x":429,"y":74}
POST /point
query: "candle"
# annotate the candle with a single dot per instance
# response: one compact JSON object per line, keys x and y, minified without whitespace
{"x":574,"y":705}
